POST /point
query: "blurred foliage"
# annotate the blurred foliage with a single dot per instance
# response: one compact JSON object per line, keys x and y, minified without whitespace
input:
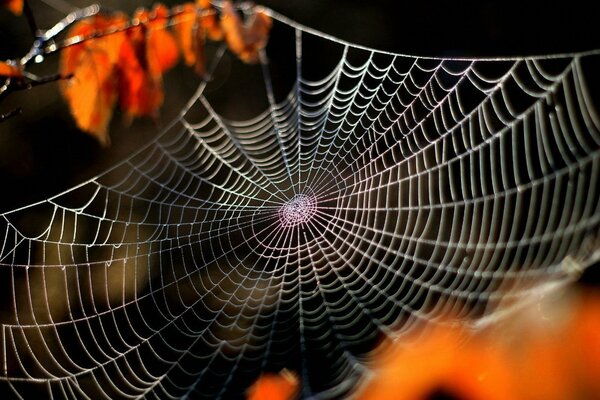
{"x":547,"y":350}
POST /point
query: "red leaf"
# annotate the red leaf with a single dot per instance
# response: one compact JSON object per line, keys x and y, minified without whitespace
{"x":134,"y":82}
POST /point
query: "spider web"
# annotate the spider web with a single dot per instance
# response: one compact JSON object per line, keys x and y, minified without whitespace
{"x":376,"y":192}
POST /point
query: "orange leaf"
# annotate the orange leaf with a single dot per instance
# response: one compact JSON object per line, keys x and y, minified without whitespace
{"x":282,"y":386}
{"x":15,"y":6}
{"x":441,"y":361}
{"x":547,"y":350}
{"x":9,"y":70}
{"x":92,"y":91}
{"x":583,"y":333}
{"x":208,"y":20}
{"x":162,"y":47}
{"x":191,"y":33}
{"x":245,"y":40}
{"x":140,"y":92}
{"x":133,"y":83}
{"x":185,"y":24}
{"x":211,"y":25}
{"x":150,"y":51}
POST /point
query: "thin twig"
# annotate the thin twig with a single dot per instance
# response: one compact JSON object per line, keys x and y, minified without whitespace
{"x":70,"y":19}
{"x":10,"y":114}
{"x":30,"y":19}
{"x":43,"y":38}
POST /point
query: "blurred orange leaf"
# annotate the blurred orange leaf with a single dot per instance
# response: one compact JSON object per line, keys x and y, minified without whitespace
{"x":191,"y":35}
{"x":92,"y":91}
{"x":208,"y":20}
{"x":185,"y":24}
{"x":583,"y":334}
{"x":10,"y":71}
{"x":137,"y":92}
{"x":282,"y":386}
{"x":149,"y":52}
{"x":193,"y":25}
{"x":440,"y":361}
{"x":162,"y":49}
{"x":124,"y":66}
{"x":542,"y":352}
{"x":117,"y":61}
{"x":15,"y":6}
{"x":245,"y":39}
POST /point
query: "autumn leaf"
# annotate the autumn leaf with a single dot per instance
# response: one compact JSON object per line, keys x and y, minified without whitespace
{"x":245,"y":39}
{"x":137,"y":92}
{"x":282,"y":386}
{"x":123,"y":62}
{"x":9,"y":70}
{"x":185,"y":24}
{"x":549,"y":350}
{"x":92,"y":91}
{"x":92,"y":95}
{"x":583,"y":334}
{"x":149,"y":51}
{"x":15,"y":6}
{"x":193,"y":26}
{"x":440,"y":361}
{"x":125,"y":66}
{"x":163,"y":52}
{"x":209,"y":21}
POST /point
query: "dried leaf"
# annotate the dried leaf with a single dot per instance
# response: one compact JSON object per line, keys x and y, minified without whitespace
{"x":92,"y":91}
{"x":204,"y":4}
{"x":440,"y":361}
{"x":9,"y":70}
{"x":15,"y":6}
{"x":583,"y":334}
{"x":191,"y":33}
{"x":150,"y":51}
{"x":282,"y":386}
{"x":209,"y":21}
{"x":549,"y":350}
{"x":185,"y":23}
{"x":138,"y":94}
{"x":163,"y":52}
{"x":245,"y":40}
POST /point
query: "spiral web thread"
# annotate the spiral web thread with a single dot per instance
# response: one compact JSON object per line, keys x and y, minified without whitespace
{"x":385,"y":191}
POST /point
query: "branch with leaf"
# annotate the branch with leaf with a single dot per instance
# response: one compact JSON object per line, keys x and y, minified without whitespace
{"x":108,"y":59}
